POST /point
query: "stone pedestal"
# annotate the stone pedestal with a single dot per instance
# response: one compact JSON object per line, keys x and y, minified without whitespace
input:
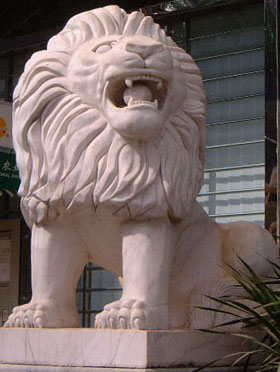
{"x":48,"y":350}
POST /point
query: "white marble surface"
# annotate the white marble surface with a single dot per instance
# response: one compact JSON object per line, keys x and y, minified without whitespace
{"x":109,"y":131}
{"x":113,"y":348}
{"x":30,"y":368}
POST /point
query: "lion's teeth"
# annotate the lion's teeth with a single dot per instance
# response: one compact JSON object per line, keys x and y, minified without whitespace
{"x":130,"y":101}
{"x":129,"y":83}
{"x":156,"y":103}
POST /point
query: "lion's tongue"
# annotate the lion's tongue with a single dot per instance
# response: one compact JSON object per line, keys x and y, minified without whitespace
{"x":138,"y":92}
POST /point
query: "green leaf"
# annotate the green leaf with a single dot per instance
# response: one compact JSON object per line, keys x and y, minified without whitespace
{"x":256,"y":303}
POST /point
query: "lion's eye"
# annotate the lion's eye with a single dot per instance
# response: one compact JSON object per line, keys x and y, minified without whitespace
{"x":104,"y":48}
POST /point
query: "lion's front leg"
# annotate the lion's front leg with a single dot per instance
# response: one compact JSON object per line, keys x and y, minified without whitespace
{"x":147,"y":256}
{"x":57,"y":262}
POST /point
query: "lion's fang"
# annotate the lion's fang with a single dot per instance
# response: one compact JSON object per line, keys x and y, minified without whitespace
{"x":156,"y":103}
{"x":129,"y":83}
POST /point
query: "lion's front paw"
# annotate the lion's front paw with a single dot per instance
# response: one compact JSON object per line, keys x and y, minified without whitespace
{"x":35,"y":210}
{"x":28,"y":315}
{"x":133,"y":314}
{"x":42,"y":314}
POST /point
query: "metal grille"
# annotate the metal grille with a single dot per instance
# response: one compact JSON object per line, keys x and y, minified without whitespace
{"x":96,"y":288}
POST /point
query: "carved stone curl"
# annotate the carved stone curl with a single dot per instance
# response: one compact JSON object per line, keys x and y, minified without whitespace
{"x":109,"y":134}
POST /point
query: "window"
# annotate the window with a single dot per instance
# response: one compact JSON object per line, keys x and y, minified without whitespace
{"x":97,"y":287}
{"x":228,"y":47}
{"x":11,"y":67}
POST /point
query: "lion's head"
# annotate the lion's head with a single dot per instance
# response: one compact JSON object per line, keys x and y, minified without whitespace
{"x":111,"y":115}
{"x":132,"y":81}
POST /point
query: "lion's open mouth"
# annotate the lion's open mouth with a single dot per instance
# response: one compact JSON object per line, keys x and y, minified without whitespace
{"x":138,"y":90}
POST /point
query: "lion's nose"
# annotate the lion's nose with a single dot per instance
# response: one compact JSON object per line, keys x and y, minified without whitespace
{"x":143,"y":47}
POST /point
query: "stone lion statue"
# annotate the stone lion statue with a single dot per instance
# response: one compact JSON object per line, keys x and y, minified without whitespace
{"x":109,"y":133}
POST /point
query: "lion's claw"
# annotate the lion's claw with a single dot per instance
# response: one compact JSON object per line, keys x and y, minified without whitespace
{"x":40,"y":315}
{"x":25,"y":316}
{"x":123,"y":322}
{"x":132,"y":314}
{"x":138,"y":323}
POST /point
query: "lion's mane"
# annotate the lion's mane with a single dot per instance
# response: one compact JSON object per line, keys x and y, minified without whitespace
{"x":63,"y":145}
